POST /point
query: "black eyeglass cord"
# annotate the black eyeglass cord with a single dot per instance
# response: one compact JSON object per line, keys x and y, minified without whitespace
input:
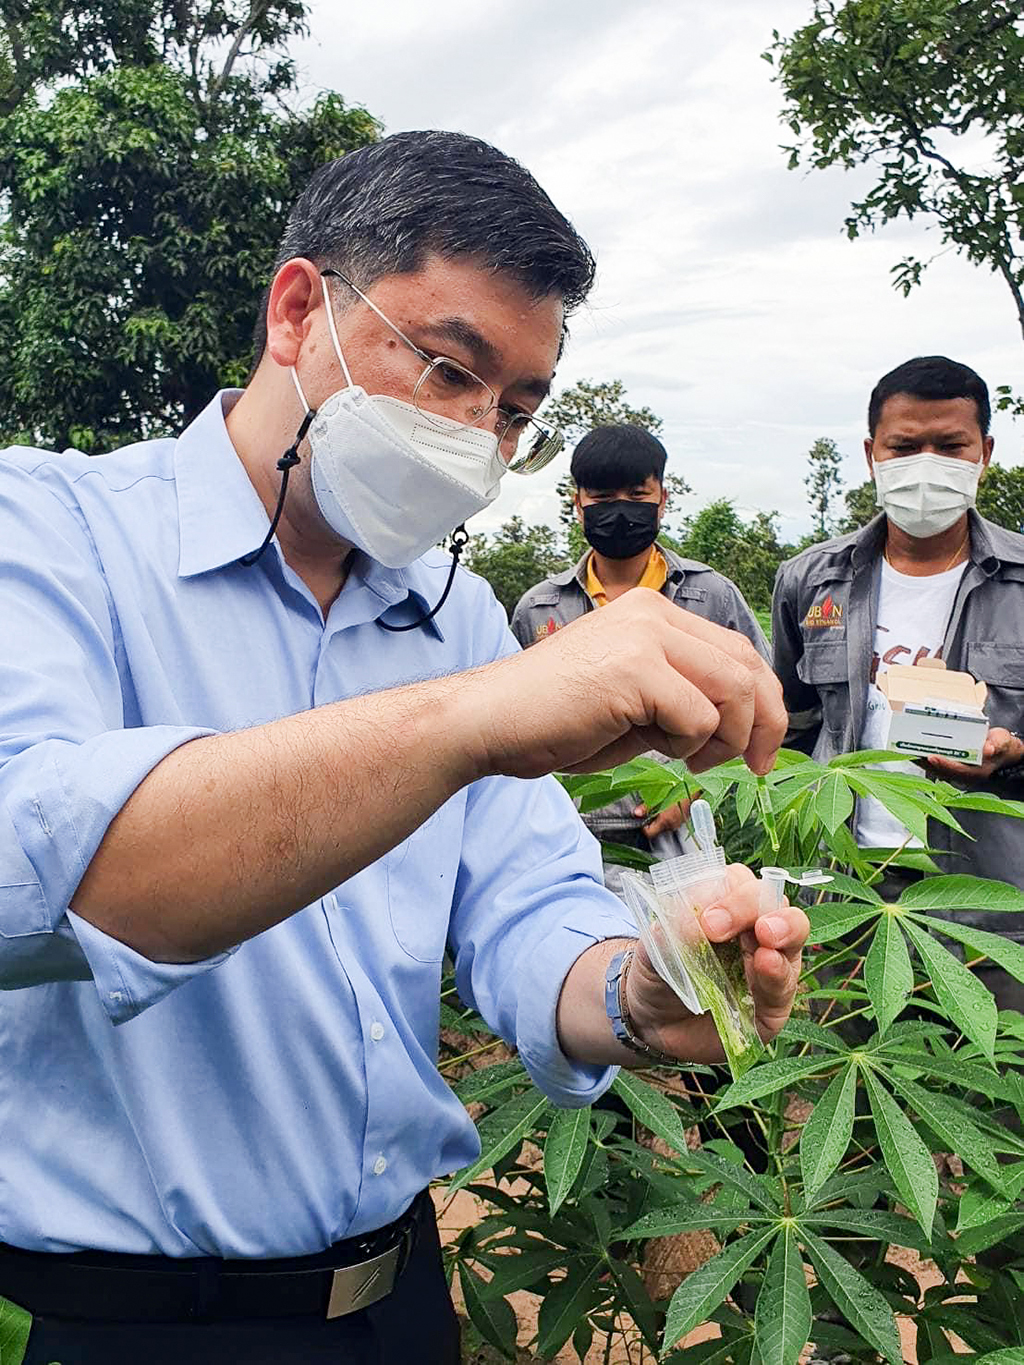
{"x":459,"y":541}
{"x":285,"y":464}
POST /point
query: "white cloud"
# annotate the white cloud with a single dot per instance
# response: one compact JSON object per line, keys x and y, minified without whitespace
{"x":728,"y":297}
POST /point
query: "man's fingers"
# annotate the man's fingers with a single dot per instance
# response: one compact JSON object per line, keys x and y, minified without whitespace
{"x":759,"y":714}
{"x":784,"y":930}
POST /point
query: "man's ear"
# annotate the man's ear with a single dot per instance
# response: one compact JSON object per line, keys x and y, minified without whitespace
{"x":663,"y":503}
{"x":987,"y":446}
{"x":869,"y":446}
{"x":294,"y":297}
{"x":578,"y":506}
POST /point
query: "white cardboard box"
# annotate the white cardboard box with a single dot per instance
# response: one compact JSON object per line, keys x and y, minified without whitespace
{"x":935,"y":711}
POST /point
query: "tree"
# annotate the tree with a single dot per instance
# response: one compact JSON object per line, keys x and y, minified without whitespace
{"x":1001,"y":496}
{"x":747,"y":552}
{"x":149,"y":151}
{"x":928,"y":94}
{"x":861,"y":506}
{"x":823,"y":483}
{"x":514,"y":558}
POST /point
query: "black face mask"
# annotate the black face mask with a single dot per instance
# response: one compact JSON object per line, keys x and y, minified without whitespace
{"x":621,"y":529}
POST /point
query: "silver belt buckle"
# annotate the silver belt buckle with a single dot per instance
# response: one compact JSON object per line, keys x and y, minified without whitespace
{"x":357,"y":1286}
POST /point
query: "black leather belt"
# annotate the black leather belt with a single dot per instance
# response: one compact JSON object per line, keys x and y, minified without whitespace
{"x":112,"y":1288}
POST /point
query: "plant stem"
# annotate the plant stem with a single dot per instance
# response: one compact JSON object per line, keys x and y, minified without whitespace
{"x":764,"y":803}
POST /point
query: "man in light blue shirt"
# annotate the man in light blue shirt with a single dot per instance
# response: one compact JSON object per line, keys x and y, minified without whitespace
{"x":252,"y":786}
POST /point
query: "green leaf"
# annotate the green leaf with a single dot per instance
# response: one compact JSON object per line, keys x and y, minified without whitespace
{"x":833,"y":802}
{"x":879,"y":1224}
{"x":490,"y":1081}
{"x":1004,"y":951}
{"x":908,"y":812}
{"x":844,"y":885}
{"x":802,"y":1030}
{"x":965,"y":1074}
{"x":565,"y":1305}
{"x":951,"y":1128}
{"x":783,"y":1316}
{"x":15,"y":1326}
{"x":985,"y":801}
{"x":512,"y":1273}
{"x":965,"y":999}
{"x":564,"y":1149}
{"x":907,"y":1159}
{"x":827,"y":1133}
{"x":682,"y":1217}
{"x":888,"y":974}
{"x":961,"y":892}
{"x":493,"y":1318}
{"x":651,"y":1108}
{"x":757,"y":1189}
{"x":976,"y":1240}
{"x":831,"y":919}
{"x":499,"y":1132}
{"x":866,"y":758}
{"x":706,"y":1287}
{"x":856,"y":1298}
{"x":1011,"y":1355}
{"x":769,"y":1078}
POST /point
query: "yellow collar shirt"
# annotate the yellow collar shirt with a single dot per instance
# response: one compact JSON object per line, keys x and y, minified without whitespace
{"x":654,"y":576}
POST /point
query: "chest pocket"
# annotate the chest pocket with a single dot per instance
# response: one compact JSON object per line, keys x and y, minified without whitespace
{"x":1001,"y":668}
{"x":421,"y":875}
{"x":824,"y":666}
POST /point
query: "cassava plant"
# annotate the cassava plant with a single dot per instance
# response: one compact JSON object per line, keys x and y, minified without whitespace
{"x":889,"y":1115}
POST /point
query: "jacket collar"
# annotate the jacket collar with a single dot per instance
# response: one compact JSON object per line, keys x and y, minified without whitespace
{"x":578,"y":572}
{"x":990,"y":544}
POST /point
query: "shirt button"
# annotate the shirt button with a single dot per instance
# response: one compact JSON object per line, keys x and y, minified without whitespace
{"x":376,"y":1030}
{"x":380,"y":1165}
{"x":116,"y":997}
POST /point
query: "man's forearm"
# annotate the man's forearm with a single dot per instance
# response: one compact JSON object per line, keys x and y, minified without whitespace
{"x":230,"y":834}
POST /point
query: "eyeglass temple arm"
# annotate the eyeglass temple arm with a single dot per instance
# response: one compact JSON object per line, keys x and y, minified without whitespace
{"x":336,"y":274}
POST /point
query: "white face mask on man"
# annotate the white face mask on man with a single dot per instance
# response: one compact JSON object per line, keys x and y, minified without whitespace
{"x":390,"y":480}
{"x":925,"y":494}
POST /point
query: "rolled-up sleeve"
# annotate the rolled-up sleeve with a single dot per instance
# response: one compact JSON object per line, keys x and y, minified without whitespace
{"x":529,"y":901}
{"x":67,"y":762}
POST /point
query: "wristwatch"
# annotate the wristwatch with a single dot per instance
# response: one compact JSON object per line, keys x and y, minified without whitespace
{"x":618,"y":1015}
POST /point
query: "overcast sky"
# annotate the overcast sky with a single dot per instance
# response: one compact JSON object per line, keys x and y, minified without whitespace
{"x":728,"y":297}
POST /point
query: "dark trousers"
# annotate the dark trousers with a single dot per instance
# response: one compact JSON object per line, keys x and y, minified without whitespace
{"x":414,"y":1325}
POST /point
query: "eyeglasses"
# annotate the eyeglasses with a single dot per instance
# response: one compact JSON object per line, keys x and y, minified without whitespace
{"x":447,"y":389}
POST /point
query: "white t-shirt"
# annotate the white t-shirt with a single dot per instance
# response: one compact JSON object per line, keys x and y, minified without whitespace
{"x":912,"y":617}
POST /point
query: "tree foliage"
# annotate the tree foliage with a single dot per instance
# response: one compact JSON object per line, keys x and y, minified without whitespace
{"x":929,"y":95}
{"x":747,"y":552}
{"x":823,"y":483}
{"x":149,"y":151}
{"x":515,"y":558}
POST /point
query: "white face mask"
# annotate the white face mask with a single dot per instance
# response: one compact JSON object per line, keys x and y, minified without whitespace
{"x":387,"y":479}
{"x":925,"y":494}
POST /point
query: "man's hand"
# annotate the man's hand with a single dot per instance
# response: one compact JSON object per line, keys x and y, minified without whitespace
{"x":666,"y":821}
{"x":772,"y":945}
{"x":1002,"y":749}
{"x":639,"y":674}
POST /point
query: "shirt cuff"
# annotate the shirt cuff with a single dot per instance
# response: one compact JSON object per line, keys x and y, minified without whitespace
{"x":128,"y":983}
{"x":542,"y":973}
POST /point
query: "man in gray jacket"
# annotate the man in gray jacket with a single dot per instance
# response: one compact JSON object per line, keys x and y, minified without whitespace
{"x":620,"y":500}
{"x":927,"y":577}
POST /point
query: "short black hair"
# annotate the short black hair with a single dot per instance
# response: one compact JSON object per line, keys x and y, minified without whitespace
{"x":931,"y":377}
{"x":619,"y":456}
{"x":381,"y":210}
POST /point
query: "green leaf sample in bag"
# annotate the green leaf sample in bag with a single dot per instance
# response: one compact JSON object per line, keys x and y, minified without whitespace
{"x":667,"y":907}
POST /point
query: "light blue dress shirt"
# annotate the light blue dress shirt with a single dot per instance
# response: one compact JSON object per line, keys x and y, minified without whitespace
{"x":276,"y":1098}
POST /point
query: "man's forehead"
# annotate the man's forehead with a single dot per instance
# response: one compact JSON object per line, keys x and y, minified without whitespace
{"x":905,"y":411}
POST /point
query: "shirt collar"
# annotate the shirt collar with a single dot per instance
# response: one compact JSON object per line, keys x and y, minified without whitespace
{"x":221,"y":518}
{"x":220,"y":514}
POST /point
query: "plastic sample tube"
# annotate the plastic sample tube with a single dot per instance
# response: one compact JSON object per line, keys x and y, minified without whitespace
{"x":706,"y":977}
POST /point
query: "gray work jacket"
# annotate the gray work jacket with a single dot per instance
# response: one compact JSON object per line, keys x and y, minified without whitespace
{"x":562,"y":598}
{"x":823,"y":631}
